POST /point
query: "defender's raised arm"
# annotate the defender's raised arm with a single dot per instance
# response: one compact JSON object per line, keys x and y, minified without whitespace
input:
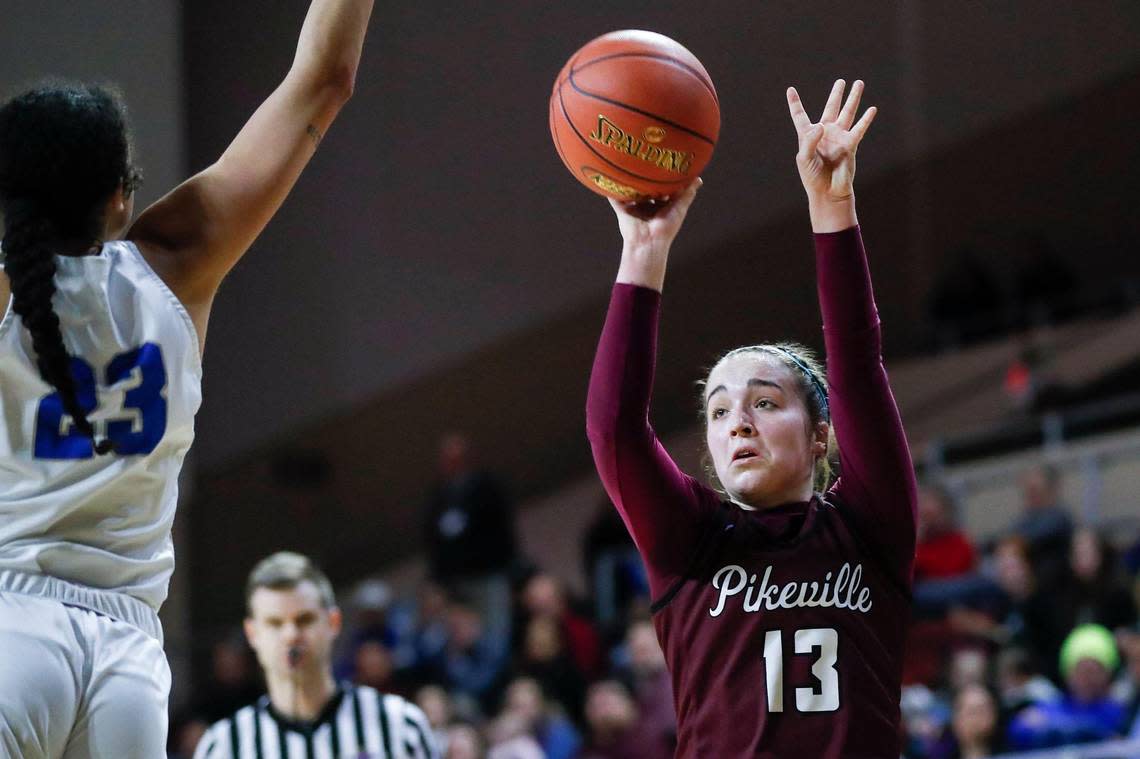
{"x":196,"y":233}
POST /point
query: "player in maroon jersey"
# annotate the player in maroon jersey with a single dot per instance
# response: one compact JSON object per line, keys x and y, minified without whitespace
{"x":781,"y":609}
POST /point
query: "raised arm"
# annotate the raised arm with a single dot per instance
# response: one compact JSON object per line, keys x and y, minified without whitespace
{"x":196,"y":233}
{"x":661,"y":506}
{"x":877,"y":481}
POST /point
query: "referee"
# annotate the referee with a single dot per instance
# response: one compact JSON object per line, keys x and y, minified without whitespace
{"x":291,"y":622}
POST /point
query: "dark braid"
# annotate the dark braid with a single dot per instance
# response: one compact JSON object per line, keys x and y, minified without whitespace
{"x":30,"y":267}
{"x":63,"y":152}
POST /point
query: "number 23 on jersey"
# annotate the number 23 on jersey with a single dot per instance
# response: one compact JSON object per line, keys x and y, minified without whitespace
{"x":135,"y":428}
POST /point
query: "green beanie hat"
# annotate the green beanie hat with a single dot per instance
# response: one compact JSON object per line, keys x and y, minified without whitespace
{"x":1089,"y":642}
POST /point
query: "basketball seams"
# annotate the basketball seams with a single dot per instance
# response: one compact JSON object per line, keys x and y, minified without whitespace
{"x":554,"y":129}
{"x":601,"y":157}
{"x":701,"y":77}
{"x":635,"y":109}
{"x":666,"y":64}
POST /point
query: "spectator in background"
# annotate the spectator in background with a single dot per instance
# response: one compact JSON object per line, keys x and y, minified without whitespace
{"x":544,"y":596}
{"x":510,"y":738}
{"x":1045,"y":523}
{"x":366,"y":622}
{"x":1126,"y":689}
{"x":1131,"y":561}
{"x":1020,"y":683}
{"x":465,"y":742}
{"x":1096,"y":591}
{"x":614,"y":571}
{"x":233,"y":679}
{"x":436,"y":706}
{"x":422,"y":633}
{"x":546,"y":659}
{"x":549,"y":725}
{"x":616,"y":730}
{"x":650,"y":682}
{"x":944,"y":579}
{"x":372,"y":666}
{"x":471,"y":532}
{"x":968,"y":666}
{"x":185,"y":734}
{"x":1087,"y":713}
{"x":974,"y":731}
{"x":476,"y":656}
{"x":1027,"y":618}
{"x":943,"y":551}
{"x":925,"y":717}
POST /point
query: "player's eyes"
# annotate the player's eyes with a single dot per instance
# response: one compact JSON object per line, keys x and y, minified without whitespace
{"x":765,"y":403}
{"x":717,"y":413}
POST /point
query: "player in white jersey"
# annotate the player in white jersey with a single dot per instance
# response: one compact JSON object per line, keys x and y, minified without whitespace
{"x":100,"y":378}
{"x":292,"y":622}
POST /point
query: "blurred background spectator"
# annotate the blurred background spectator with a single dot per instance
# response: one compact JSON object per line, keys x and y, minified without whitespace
{"x":1045,"y":523}
{"x":471,"y":542}
{"x":1086,"y":713}
{"x":617,"y":729}
{"x":943,"y":551}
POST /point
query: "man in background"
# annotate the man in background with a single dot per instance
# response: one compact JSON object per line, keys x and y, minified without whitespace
{"x":471,"y":540}
{"x":292,"y":621}
{"x":1045,"y":523}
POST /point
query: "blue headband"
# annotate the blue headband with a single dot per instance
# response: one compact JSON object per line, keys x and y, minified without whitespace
{"x":817,"y":386}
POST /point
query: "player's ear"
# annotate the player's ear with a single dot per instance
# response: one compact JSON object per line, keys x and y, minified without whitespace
{"x":117,"y":212}
{"x":820,"y":439}
{"x":250,"y":630}
{"x":336,"y":620}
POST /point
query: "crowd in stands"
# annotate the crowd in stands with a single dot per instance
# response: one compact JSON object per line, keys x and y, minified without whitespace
{"x":1029,"y":641}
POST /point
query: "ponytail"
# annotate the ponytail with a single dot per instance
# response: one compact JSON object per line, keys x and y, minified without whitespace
{"x":30,"y":266}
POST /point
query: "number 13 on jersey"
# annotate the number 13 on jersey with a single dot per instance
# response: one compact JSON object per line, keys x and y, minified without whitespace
{"x":135,"y":430}
{"x":822,"y":698}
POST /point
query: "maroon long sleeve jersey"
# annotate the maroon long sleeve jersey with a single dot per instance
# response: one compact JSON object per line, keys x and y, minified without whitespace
{"x":783,"y":628}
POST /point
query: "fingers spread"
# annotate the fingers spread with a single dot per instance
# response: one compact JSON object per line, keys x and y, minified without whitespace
{"x":799,"y":115}
{"x":831,"y":110}
{"x":851,"y":107}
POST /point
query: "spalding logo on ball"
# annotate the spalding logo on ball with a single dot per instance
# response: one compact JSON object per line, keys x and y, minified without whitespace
{"x":634,"y":116}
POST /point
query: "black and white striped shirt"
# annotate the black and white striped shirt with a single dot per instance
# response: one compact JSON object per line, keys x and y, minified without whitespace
{"x":358,"y":722}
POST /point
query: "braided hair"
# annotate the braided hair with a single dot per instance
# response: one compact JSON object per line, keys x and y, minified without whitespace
{"x":64,"y":150}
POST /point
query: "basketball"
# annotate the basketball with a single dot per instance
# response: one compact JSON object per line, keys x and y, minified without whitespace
{"x":634,"y":116}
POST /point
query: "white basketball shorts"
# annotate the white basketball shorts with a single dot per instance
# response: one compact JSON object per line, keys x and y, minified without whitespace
{"x":76,"y":684}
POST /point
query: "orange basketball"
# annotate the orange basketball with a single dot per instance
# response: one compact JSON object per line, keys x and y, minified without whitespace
{"x":634,"y":116}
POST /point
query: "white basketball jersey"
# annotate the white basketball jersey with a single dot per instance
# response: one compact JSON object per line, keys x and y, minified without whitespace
{"x":102,"y":522}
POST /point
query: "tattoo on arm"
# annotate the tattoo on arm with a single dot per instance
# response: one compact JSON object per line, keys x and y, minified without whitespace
{"x":314,"y":133}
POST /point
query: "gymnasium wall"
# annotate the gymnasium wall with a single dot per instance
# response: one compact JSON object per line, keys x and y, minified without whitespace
{"x":135,"y":45}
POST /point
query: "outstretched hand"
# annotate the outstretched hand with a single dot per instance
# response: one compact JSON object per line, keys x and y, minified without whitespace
{"x":826,"y":157}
